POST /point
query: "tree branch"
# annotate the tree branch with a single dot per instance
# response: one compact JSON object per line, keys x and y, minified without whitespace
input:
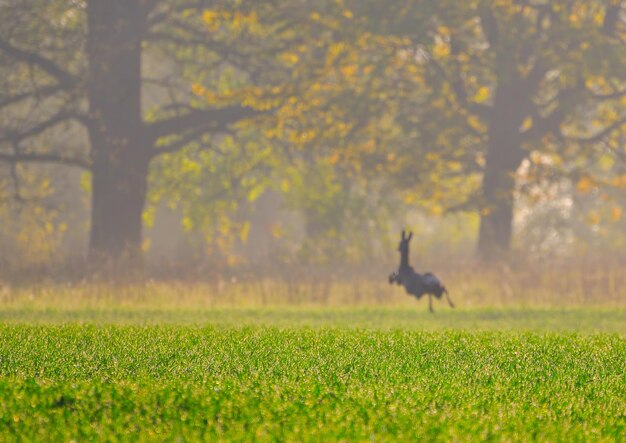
{"x":599,"y":136}
{"x":609,"y":96}
{"x":60,"y":117}
{"x":542,"y":126}
{"x":8,"y":100}
{"x":611,"y":17}
{"x":552,"y":122}
{"x":534,"y":77}
{"x":64,"y":78}
{"x":178,"y":144}
{"x":164,"y":14}
{"x":490,"y":25}
{"x":44,"y":158}
{"x":210,"y":119}
{"x":460,"y":93}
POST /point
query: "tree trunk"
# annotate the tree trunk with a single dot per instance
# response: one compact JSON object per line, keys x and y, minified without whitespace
{"x":119,"y":146}
{"x":496,"y":220}
{"x":504,"y":156}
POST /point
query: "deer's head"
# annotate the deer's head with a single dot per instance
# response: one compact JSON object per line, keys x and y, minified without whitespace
{"x":403,"y":247}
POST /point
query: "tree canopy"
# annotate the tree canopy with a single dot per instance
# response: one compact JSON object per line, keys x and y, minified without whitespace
{"x":354,"y":112}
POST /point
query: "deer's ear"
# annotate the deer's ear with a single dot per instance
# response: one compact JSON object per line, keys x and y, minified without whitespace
{"x":409,"y":237}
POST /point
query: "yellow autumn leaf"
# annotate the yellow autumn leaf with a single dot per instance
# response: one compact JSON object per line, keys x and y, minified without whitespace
{"x":616,"y":213}
{"x":348,"y":71}
{"x":198,"y":89}
{"x":443,"y":30}
{"x":441,"y":49}
{"x":584,"y":185}
{"x":209,"y":17}
{"x":526,"y":124}
{"x":334,"y":51}
{"x":536,"y":157}
{"x":245,"y":230}
{"x":290,"y":58}
{"x":475,"y":123}
{"x":482,"y":95}
{"x":232,"y":260}
{"x":436,"y":210}
{"x":277,"y":230}
{"x":619,"y":181}
{"x":146,"y":244}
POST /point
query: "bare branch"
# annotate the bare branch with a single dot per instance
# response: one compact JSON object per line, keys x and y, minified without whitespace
{"x":60,"y":117}
{"x":64,"y":78}
{"x":38,"y":93}
{"x":44,"y":158}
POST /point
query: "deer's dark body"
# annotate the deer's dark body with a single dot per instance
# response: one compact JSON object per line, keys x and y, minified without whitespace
{"x":416,"y":284}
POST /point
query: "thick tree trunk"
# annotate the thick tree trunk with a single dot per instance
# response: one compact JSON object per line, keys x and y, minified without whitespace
{"x":117,"y":133}
{"x":496,"y":220}
{"x":118,"y":198}
{"x":504,"y":156}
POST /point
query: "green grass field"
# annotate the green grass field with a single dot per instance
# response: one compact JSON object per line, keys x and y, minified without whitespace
{"x":312,"y":374}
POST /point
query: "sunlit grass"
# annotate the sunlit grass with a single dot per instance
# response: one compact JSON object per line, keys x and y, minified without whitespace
{"x":586,"y":320}
{"x":251,"y":361}
{"x":154,"y":383}
{"x":529,"y":289}
{"x":374,"y":306}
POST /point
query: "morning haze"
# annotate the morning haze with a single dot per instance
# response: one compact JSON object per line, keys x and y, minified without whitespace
{"x":229,"y":220}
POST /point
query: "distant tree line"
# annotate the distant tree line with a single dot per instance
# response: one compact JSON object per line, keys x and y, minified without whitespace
{"x":352,"y":109}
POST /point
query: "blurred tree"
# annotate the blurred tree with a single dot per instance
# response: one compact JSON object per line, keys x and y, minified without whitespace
{"x":31,"y":229}
{"x":370,"y":102}
{"x":331,"y":87}
{"x":77,"y":65}
{"x":540,"y":82}
{"x":340,"y":123}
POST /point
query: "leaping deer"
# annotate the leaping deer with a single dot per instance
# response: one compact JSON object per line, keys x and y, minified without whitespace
{"x":414,"y":283}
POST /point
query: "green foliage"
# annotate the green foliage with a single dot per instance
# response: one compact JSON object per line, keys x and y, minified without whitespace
{"x":366,"y":110}
{"x":211,"y":183}
{"x":31,"y":225}
{"x":387,"y":317}
{"x":163,"y":383}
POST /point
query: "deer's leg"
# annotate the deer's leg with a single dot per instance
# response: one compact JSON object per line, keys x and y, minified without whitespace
{"x":393,"y":277}
{"x":430,"y":303}
{"x":449,"y":300}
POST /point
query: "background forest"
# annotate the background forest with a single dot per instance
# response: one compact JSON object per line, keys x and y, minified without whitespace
{"x":208,"y":139}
